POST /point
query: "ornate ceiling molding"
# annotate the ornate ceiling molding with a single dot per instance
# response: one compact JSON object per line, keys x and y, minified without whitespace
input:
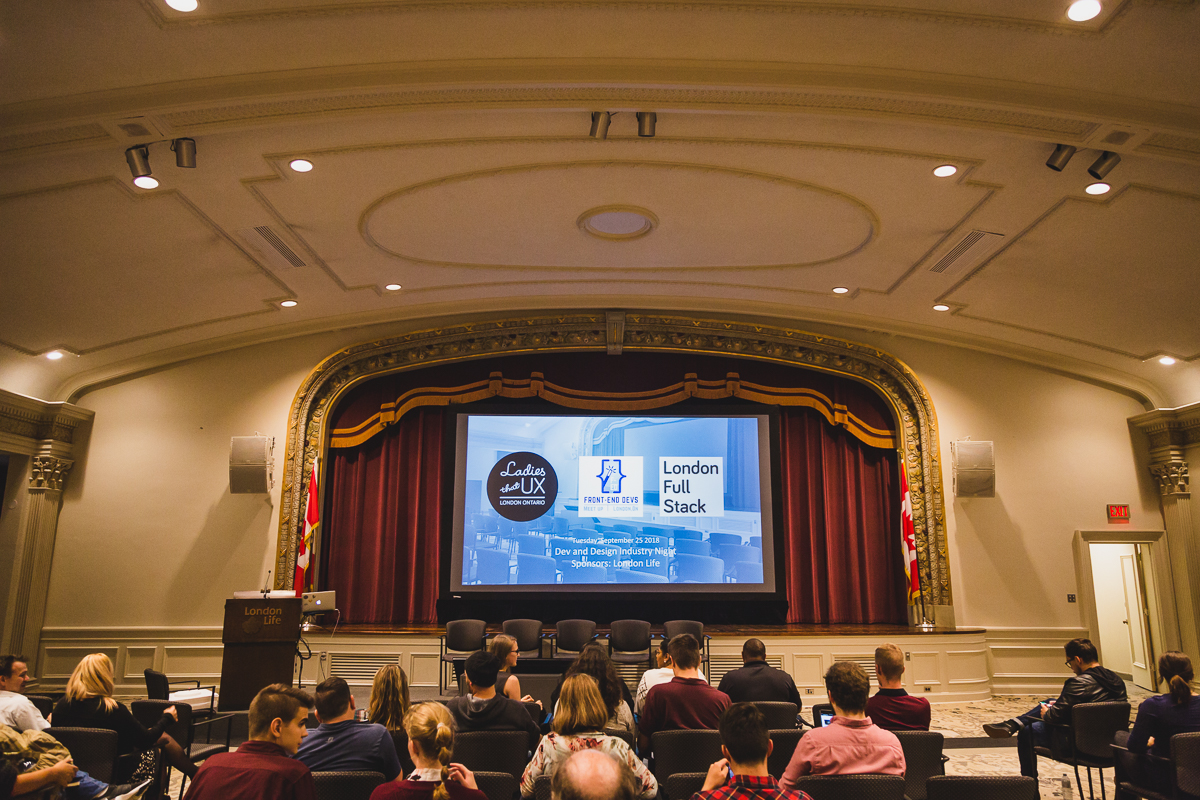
{"x":308,"y":429}
{"x":1171,"y":432}
{"x":34,"y":427}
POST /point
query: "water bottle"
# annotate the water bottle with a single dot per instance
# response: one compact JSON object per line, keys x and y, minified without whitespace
{"x":1068,"y":789}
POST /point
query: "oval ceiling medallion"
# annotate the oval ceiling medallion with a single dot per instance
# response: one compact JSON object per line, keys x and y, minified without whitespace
{"x":617,"y":222}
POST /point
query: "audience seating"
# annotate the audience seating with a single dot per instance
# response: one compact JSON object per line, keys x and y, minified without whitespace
{"x":42,"y":703}
{"x":675,"y":627}
{"x":493,"y":751}
{"x":1086,"y":741}
{"x":684,"y":751}
{"x":94,"y":750}
{"x":779,"y":713}
{"x":462,"y":637}
{"x":541,"y":787}
{"x":748,"y":572}
{"x":692,"y":547}
{"x":531,"y":543}
{"x":1184,"y":766}
{"x":683,"y":785}
{"x":982,"y":787}
{"x":498,"y":785}
{"x":493,"y":567}
{"x":182,"y":730}
{"x":400,"y":742}
{"x":536,"y":569}
{"x":349,"y":785}
{"x":571,"y":635}
{"x":629,"y":642}
{"x":683,"y":534}
{"x":699,"y":569}
{"x":624,"y":735}
{"x":528,"y":633}
{"x":922,"y":759}
{"x":785,"y":740}
{"x":852,"y":787}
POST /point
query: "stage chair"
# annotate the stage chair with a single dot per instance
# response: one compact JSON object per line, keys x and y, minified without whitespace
{"x":42,"y":703}
{"x":748,"y":572}
{"x":629,"y":576}
{"x":785,"y":740}
{"x":692,"y":547}
{"x":718,"y":540}
{"x":571,"y":635}
{"x":183,"y":731}
{"x":780,"y":714}
{"x":93,"y":750}
{"x":493,"y":751}
{"x":541,"y":788}
{"x":462,"y":637}
{"x":922,"y":759}
{"x":531,"y":543}
{"x":493,"y":567}
{"x":683,"y":785}
{"x":348,"y":785}
{"x":158,"y":687}
{"x":731,"y":554}
{"x":701,"y":569}
{"x":684,"y":751}
{"x":560,"y":526}
{"x":584,"y":574}
{"x":676,"y":626}
{"x":536,"y":569}
{"x":982,"y":787}
{"x":1184,"y":765}
{"x":629,"y":642}
{"x":1086,"y":741}
{"x":499,"y":785}
{"x":852,"y":787}
{"x":528,"y":633}
{"x":688,"y":535}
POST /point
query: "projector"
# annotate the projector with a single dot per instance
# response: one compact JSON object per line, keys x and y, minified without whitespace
{"x":317,"y":602}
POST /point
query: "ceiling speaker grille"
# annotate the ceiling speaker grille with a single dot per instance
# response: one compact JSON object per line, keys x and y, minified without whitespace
{"x":967,"y":252}
{"x":274,"y":249}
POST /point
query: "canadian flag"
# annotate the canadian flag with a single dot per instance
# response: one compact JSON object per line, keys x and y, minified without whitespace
{"x":909,"y":535}
{"x":311,"y":520}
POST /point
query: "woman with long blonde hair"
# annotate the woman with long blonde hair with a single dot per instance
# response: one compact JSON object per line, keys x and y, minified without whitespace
{"x":89,"y":703}
{"x":430,"y":730}
{"x":579,"y":722}
{"x":388,"y":706}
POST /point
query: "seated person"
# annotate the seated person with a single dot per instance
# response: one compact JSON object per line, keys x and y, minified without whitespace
{"x":742,"y":773}
{"x":483,"y":709}
{"x":579,"y":721}
{"x":758,"y":680}
{"x":430,"y":732}
{"x":387,"y":707}
{"x":38,"y":761}
{"x":687,"y":702}
{"x":341,"y":743}
{"x":14,"y":783}
{"x":593,"y":775}
{"x":1158,"y":719}
{"x":653,"y":677}
{"x":263,"y":768}
{"x":1092,"y":684}
{"x":850,"y":744}
{"x":892,"y":708}
{"x":508,"y":684}
{"x":594,"y":661}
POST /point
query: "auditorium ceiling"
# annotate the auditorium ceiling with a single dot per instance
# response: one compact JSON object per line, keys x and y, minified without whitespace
{"x":793,"y":153}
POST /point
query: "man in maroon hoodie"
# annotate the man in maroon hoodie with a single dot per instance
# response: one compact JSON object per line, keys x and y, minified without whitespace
{"x":892,"y":708}
{"x":263,"y":768}
{"x":687,"y":701}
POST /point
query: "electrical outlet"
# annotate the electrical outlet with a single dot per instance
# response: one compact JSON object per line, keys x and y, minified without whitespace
{"x":1070,"y":598}
{"x":808,"y":691}
{"x":929,"y":688}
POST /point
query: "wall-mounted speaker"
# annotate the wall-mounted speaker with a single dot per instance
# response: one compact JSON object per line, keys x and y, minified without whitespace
{"x":251,"y":464}
{"x":974,"y":469}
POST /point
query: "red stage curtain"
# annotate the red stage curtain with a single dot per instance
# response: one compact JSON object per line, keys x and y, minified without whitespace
{"x":841,"y":525}
{"x":381,"y":538}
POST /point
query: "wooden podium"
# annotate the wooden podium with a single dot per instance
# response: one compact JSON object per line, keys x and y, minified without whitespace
{"x":260,"y":639}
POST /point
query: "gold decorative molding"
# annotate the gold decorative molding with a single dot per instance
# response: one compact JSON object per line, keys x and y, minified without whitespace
{"x":308,"y":425}
{"x":30,"y":426}
{"x":1172,"y":478}
{"x":48,"y":473}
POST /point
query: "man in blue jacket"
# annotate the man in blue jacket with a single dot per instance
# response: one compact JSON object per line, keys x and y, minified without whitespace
{"x":340,"y":742}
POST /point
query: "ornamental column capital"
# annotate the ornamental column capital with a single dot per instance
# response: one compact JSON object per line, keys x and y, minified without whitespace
{"x":48,"y":473}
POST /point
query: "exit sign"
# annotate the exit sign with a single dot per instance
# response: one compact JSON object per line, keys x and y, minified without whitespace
{"x":1118,"y":513}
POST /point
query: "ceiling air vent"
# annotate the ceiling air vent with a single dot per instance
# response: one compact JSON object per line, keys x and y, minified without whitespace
{"x":273,"y":249}
{"x":967,"y":253}
{"x":135,"y":130}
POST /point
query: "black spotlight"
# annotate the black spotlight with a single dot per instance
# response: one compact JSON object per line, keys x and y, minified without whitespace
{"x":138,"y":157}
{"x":646,"y":120}
{"x":600,"y":122}
{"x":185,"y":153}
{"x":1104,"y":164}
{"x":1059,"y":158}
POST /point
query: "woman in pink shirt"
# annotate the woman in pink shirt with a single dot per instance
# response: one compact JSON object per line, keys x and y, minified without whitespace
{"x":850,"y":744}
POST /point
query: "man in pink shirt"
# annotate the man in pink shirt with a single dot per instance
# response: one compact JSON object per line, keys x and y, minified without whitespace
{"x":850,"y":744}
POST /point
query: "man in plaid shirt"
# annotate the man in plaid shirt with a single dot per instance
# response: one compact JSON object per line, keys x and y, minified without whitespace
{"x":742,"y":773}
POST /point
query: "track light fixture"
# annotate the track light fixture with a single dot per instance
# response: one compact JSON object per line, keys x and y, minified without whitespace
{"x":1104,"y":164}
{"x":1059,"y":158}
{"x":600,"y":122}
{"x":185,"y":153}
{"x":646,"y":121}
{"x":138,"y":157}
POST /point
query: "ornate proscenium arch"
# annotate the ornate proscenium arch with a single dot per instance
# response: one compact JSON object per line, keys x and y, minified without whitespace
{"x":308,"y":429}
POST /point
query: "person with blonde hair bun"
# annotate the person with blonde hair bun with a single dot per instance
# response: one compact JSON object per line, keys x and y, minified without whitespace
{"x":89,"y":703}
{"x":389,"y":704}
{"x":579,"y":725}
{"x":430,"y":730}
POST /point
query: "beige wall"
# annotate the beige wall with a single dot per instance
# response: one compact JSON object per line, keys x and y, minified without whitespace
{"x":150,"y":536}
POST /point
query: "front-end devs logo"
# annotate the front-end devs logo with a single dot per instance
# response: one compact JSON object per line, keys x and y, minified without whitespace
{"x":610,"y":486}
{"x":522,"y":486}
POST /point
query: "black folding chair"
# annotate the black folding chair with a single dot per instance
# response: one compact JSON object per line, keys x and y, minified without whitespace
{"x":158,"y":687}
{"x":672,"y":628}
{"x":629,"y":642}
{"x":982,"y":787}
{"x":499,"y":785}
{"x":785,"y":741}
{"x":183,"y":731}
{"x":684,"y":751}
{"x":462,"y":637}
{"x":922,"y":758}
{"x":94,"y":750}
{"x":683,"y":785}
{"x":1087,"y":741}
{"x":348,"y":785}
{"x":42,"y":703}
{"x":571,"y":635}
{"x":779,"y":713}
{"x":1183,"y":767}
{"x":852,"y":787}
{"x":528,"y":633}
{"x":493,"y":751}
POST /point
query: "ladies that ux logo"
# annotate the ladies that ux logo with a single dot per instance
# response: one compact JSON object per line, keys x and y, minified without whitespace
{"x":522,"y":486}
{"x":610,"y":476}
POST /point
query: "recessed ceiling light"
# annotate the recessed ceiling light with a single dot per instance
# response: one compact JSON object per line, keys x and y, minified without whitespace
{"x":393,"y":287}
{"x":840,"y":290}
{"x":300,"y":165}
{"x":941,"y":307}
{"x":54,"y":355}
{"x":145,"y":182}
{"x":1166,"y":361}
{"x":1083,"y":10}
{"x":1097,"y":188}
{"x":183,"y":5}
{"x":945,"y":170}
{"x":288,"y":304}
